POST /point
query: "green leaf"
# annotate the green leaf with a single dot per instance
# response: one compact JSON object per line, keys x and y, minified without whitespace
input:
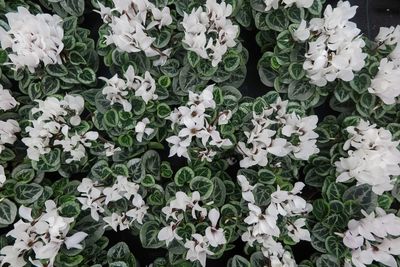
{"x":148,"y":235}
{"x":70,"y":209}
{"x":3,"y":56}
{"x":111,"y":118}
{"x":23,"y":173}
{"x":76,"y":59}
{"x":277,"y":20}
{"x":56,"y":70}
{"x":300,"y":91}
{"x":231,"y":61}
{"x":239,"y":261}
{"x":68,"y":261}
{"x":119,"y":251}
{"x":148,"y":181}
{"x":73,"y":7}
{"x":8,"y":212}
{"x":193,"y":58}
{"x":360,"y":83}
{"x":27,"y":193}
{"x":326,"y":260}
{"x":335,"y":191}
{"x":266,"y":176}
{"x":151,"y":163}
{"x":49,"y":162}
{"x":203,"y":185}
{"x":163,"y":110}
{"x":7,"y":154}
{"x":362,"y":195}
{"x":335,"y":246}
{"x":296,"y":71}
{"x":100,"y":170}
{"x":320,"y":209}
{"x":87,"y":76}
{"x":183,"y":175}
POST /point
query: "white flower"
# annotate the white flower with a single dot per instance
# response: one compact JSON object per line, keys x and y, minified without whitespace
{"x":129,"y":30}
{"x":168,"y":233}
{"x":296,"y":232}
{"x":33,"y":39}
{"x":389,"y":36}
{"x":3,"y":177}
{"x":197,"y":249}
{"x":110,"y":149}
{"x":179,"y":147}
{"x":8,"y":130}
{"x":141,"y":129}
{"x":302,"y":33}
{"x":214,"y":235}
{"x":7,"y":101}
{"x":373,"y":158}
{"x":116,"y":221}
{"x":275,"y":4}
{"x":263,"y":223}
{"x":43,"y":237}
{"x":376,"y":237}
{"x":247,"y":193}
{"x":336,"y":52}
{"x":386,"y":83}
{"x":200,"y":24}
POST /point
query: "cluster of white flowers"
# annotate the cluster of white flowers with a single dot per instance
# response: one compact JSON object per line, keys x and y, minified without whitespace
{"x":51,"y":125}
{"x":44,"y":236}
{"x":390,"y":37}
{"x":129,"y":30}
{"x":335,"y":51}
{"x":210,"y":33}
{"x":96,"y":197}
{"x":373,"y":157}
{"x":386,"y":83}
{"x":376,"y":237}
{"x":10,"y":127}
{"x":199,"y":244}
{"x":191,"y":121}
{"x":32,"y":38}
{"x":263,"y":224}
{"x":275,"y":4}
{"x":297,"y":136}
{"x":117,"y":90}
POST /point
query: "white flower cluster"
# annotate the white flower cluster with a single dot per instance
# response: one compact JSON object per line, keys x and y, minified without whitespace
{"x":386,"y":83}
{"x":335,"y":51}
{"x":263,"y":224}
{"x":376,"y":237}
{"x":96,"y":197}
{"x":391,"y":37}
{"x":199,"y":244}
{"x":51,"y":125}
{"x":275,"y":4}
{"x":129,"y":30}
{"x":210,"y":33}
{"x":118,"y":90}
{"x":373,"y":157}
{"x":44,"y":236}
{"x":297,"y":136}
{"x":33,"y":38}
{"x":10,"y":127}
{"x":191,"y":121}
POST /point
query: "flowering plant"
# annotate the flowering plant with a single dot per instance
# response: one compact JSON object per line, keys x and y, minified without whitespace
{"x":129,"y":137}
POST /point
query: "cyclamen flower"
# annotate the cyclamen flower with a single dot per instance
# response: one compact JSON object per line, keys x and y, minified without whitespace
{"x":297,"y":136}
{"x":385,"y":84}
{"x":8,"y":130}
{"x":336,"y":51}
{"x":129,"y":29}
{"x":215,"y":235}
{"x":389,"y":37}
{"x":274,"y":4}
{"x":44,"y":236}
{"x":373,"y":157}
{"x":2,"y":176}
{"x":7,"y":101}
{"x":200,"y":24}
{"x":141,"y":129}
{"x":191,"y":122}
{"x":198,"y":249}
{"x":118,"y":90}
{"x":32,"y":39}
{"x":52,"y":124}
{"x":376,"y":237}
